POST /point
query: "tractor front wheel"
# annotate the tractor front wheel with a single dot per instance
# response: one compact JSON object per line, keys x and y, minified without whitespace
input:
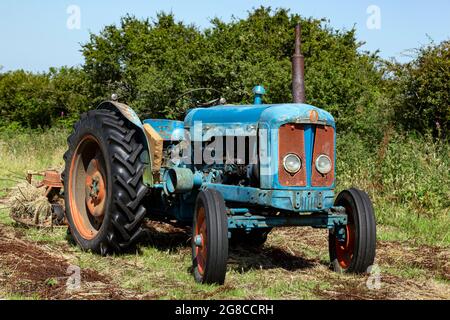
{"x":210,"y":238}
{"x":103,"y":180}
{"x":352,"y":248}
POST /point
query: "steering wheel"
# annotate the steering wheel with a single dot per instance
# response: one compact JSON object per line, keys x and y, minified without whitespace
{"x":206,"y":104}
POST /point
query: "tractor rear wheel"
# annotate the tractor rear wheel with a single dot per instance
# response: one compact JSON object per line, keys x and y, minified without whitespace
{"x":355,"y":252}
{"x":210,"y":238}
{"x":104,"y":185}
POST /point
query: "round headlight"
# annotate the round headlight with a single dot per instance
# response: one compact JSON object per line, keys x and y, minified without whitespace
{"x":292,"y":163}
{"x":323,"y":164}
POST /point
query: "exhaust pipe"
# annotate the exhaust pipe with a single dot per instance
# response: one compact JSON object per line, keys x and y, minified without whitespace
{"x":298,"y":69}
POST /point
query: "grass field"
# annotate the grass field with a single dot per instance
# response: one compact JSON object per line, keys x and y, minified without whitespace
{"x":408,"y":179}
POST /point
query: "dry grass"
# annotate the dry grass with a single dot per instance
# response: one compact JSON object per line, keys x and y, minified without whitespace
{"x":412,"y":253}
{"x":29,"y":204}
{"x":25,"y":151}
{"x":292,"y":265}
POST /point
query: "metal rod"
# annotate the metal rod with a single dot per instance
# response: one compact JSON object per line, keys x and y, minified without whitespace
{"x":325,"y":221}
{"x":298,"y":69}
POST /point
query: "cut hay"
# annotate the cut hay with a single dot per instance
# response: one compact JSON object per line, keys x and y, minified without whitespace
{"x":28,"y":205}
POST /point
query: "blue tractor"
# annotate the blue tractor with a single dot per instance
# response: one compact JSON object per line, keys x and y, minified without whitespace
{"x":232,"y":172}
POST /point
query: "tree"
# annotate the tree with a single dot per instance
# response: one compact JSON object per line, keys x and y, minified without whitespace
{"x":423,"y":96}
{"x":71,"y":94}
{"x":147,"y":64}
{"x":43,"y":99}
{"x":152,"y":63}
{"x":24,"y":98}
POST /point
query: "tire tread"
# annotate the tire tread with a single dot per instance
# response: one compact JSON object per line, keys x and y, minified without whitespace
{"x":126,"y":206}
{"x":365,"y":240}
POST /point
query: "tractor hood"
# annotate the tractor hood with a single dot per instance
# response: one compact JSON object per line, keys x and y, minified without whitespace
{"x":255,"y":115}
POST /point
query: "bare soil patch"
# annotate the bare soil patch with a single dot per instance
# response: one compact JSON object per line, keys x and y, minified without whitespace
{"x":27,"y":270}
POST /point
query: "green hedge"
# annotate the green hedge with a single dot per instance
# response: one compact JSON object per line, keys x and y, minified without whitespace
{"x":150,"y":64}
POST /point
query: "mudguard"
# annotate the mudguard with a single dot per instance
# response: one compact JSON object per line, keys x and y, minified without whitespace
{"x":129,"y":114}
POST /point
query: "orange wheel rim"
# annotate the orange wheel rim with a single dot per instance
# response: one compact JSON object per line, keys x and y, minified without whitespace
{"x":345,"y":249}
{"x":87,"y":188}
{"x":201,"y":250}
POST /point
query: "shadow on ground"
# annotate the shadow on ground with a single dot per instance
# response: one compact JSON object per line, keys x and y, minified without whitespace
{"x":166,"y":237}
{"x":242,"y":259}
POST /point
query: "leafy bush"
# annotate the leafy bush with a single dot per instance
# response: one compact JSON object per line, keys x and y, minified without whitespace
{"x":71,"y":95}
{"x":42,"y":100}
{"x":407,"y":177}
{"x":423,"y":90}
{"x":25,"y":98}
{"x":151,"y":64}
{"x":411,"y":170}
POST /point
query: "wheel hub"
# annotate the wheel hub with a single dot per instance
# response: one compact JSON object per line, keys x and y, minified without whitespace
{"x":341,"y":234}
{"x":198,"y":240}
{"x":345,"y":246}
{"x":95,"y":190}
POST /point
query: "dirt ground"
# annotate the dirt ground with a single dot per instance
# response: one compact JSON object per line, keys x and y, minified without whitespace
{"x":392,"y":257}
{"x":29,"y":269}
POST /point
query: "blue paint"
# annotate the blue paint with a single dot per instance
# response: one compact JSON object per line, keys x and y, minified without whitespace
{"x":198,"y":179}
{"x":198,"y":240}
{"x":274,"y":115}
{"x":259,"y":92}
{"x":237,"y":211}
{"x":178,"y":180}
{"x":289,"y":200}
{"x":309,"y":152}
{"x":327,"y":220}
{"x":268,"y":119}
{"x":169,"y":130}
{"x":277,"y":115}
{"x":341,"y":233}
{"x":302,"y":206}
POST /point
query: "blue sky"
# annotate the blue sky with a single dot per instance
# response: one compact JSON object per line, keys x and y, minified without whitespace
{"x":34,"y":34}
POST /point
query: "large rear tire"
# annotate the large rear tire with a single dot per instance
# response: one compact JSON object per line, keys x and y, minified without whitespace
{"x":103,"y":180}
{"x":210,"y":238}
{"x":356,"y":252}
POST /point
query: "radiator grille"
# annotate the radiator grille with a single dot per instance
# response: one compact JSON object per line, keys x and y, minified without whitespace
{"x":292,"y":140}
